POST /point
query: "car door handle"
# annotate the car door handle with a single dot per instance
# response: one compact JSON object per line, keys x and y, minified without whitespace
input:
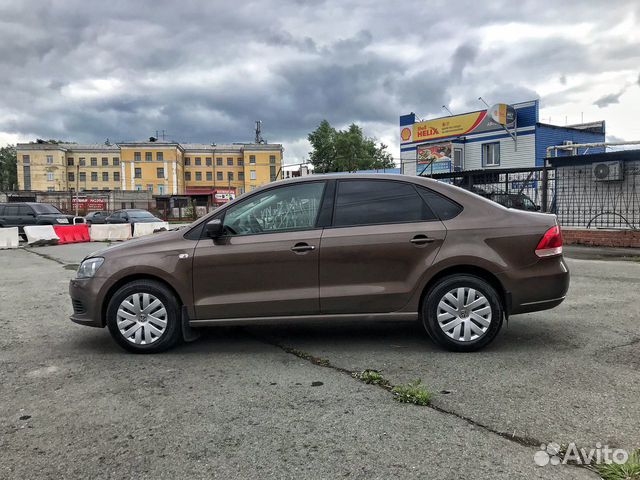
{"x":421,"y":240}
{"x":302,"y":247}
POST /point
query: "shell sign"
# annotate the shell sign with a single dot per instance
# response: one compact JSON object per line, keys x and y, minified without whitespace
{"x":405,"y":134}
{"x":448,"y":127}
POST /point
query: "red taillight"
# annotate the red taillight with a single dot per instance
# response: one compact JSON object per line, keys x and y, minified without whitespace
{"x":551,"y":243}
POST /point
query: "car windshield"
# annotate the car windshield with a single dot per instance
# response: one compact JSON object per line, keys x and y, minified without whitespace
{"x":45,"y":208}
{"x":140,"y":214}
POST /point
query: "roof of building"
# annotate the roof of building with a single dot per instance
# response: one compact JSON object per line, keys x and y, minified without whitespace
{"x":93,"y":147}
{"x":621,"y":155}
{"x":592,"y":127}
{"x":192,"y":147}
{"x":230,"y":147}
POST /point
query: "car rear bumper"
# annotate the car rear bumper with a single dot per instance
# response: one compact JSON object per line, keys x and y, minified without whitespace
{"x":540,"y":286}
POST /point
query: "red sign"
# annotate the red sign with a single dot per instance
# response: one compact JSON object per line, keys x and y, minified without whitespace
{"x":89,"y":204}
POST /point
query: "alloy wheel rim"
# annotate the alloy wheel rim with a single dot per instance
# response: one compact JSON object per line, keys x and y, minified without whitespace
{"x":464,"y":314}
{"x":142,"y":318}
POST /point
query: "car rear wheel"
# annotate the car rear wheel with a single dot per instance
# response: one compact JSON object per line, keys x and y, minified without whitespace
{"x":462,"y":313}
{"x":143,"y":316}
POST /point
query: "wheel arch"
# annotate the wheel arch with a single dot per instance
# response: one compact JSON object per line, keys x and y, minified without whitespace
{"x":128,"y":279}
{"x":468,"y":270}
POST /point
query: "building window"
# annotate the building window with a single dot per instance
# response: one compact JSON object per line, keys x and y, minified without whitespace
{"x":187,"y":176}
{"x":94,"y":161}
{"x":26,"y":159}
{"x":94,"y":176}
{"x":51,"y":189}
{"x":105,"y":161}
{"x":116,"y":161}
{"x":230,"y":161}
{"x":105,"y":176}
{"x":82,"y":176}
{"x":138,"y":187}
{"x":209,"y":176}
{"x":198,"y":161}
{"x":160,"y":189}
{"x":208,"y":160}
{"x":137,"y":156}
{"x":230,"y":176}
{"x":150,"y":187}
{"x":219,"y":161}
{"x":116,"y":176}
{"x":160,"y":156}
{"x":272,"y":159}
{"x":137,"y":173}
{"x":81,"y":162}
{"x":148,"y":156}
{"x":491,"y":154}
{"x":187,"y":161}
{"x":219,"y":175}
{"x":198,"y":176}
{"x":50,"y":176}
{"x":241,"y":176}
{"x":71,"y":177}
{"x":252,"y":159}
{"x":272,"y":172}
{"x":240,"y":162}
{"x":49,"y":159}
{"x":160,"y":172}
{"x":70,"y":161}
{"x":252,"y":175}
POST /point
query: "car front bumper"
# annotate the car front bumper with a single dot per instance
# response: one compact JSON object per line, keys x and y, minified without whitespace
{"x":85,"y":299}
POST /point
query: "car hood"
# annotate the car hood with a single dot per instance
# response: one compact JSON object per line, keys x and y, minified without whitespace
{"x":142,"y":244}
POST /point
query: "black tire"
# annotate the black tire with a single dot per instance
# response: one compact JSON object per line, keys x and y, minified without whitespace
{"x":437,"y":293}
{"x":173,"y":332}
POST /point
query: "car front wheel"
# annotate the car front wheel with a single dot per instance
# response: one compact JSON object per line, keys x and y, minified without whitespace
{"x":462,"y":313}
{"x":143,"y":316}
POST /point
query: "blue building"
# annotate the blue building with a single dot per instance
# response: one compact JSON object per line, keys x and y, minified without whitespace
{"x":501,"y":137}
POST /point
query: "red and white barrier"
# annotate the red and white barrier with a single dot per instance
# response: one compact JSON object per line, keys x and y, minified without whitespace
{"x":41,"y":235}
{"x":141,"y":229}
{"x":110,"y":232}
{"x":72,"y":233}
{"x":9,"y":237}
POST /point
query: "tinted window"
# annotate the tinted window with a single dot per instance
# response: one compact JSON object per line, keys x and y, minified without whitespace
{"x":24,"y":210}
{"x":45,"y":208}
{"x":140,"y":214}
{"x":369,"y":202}
{"x":293,"y":207}
{"x":444,"y":208}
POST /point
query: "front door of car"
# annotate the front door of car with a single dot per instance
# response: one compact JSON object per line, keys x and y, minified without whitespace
{"x":383,"y":238}
{"x":266,"y":262}
{"x":27,"y":215}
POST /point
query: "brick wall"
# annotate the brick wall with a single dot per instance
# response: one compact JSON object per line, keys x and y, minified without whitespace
{"x":601,"y":238}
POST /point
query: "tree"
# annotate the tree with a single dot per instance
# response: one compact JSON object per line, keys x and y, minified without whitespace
{"x":346,"y":150}
{"x":8,"y":168}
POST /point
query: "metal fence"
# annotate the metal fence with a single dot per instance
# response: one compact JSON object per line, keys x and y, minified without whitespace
{"x":573,"y":193}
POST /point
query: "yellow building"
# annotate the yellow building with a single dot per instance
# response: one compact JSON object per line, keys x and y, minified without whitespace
{"x":164,"y":168}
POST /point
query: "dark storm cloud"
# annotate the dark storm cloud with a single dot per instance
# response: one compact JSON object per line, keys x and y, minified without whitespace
{"x":204,"y":71}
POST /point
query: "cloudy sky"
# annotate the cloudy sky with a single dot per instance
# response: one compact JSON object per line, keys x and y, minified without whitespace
{"x":203,"y":71}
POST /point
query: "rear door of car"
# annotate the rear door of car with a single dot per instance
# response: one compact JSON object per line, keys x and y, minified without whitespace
{"x":11,"y":215}
{"x":382,"y":238}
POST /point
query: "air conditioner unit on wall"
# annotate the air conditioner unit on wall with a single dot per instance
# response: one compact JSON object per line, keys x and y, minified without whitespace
{"x":607,"y":171}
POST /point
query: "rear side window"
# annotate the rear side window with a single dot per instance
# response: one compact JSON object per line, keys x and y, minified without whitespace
{"x":11,"y":211}
{"x":371,"y":202}
{"x":444,"y":208}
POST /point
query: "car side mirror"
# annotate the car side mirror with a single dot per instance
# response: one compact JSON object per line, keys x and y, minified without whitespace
{"x":214,"y":228}
{"x":538,"y":207}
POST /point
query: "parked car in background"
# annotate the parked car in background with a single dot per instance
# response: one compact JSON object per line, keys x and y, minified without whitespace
{"x":132,"y":215}
{"x":99,"y":217}
{"x":519,"y":201}
{"x":331,"y":247}
{"x":22,"y":214}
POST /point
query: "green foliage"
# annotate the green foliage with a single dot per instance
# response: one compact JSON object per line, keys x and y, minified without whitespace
{"x":627,"y":471}
{"x":8,"y":168}
{"x":413,"y":392}
{"x":346,"y":150}
{"x":372,"y":377}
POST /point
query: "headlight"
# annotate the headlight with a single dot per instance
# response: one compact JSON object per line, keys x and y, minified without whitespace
{"x":89,"y":267}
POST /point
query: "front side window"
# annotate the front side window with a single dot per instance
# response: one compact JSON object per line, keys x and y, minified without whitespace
{"x":371,"y":202}
{"x":491,"y":154}
{"x":292,"y":207}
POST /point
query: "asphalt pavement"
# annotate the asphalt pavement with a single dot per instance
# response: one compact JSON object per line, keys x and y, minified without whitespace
{"x":280,"y":402}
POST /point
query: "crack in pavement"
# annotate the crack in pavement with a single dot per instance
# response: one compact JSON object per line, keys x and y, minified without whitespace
{"x":322,"y":362}
{"x":44,"y":255}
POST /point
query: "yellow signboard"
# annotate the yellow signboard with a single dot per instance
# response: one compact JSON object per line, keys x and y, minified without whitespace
{"x":447,"y":127}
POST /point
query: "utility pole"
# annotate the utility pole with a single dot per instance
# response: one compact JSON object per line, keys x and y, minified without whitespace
{"x":77,"y":187}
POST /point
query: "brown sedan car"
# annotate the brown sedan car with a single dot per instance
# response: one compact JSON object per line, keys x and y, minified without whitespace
{"x":330,"y":247}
